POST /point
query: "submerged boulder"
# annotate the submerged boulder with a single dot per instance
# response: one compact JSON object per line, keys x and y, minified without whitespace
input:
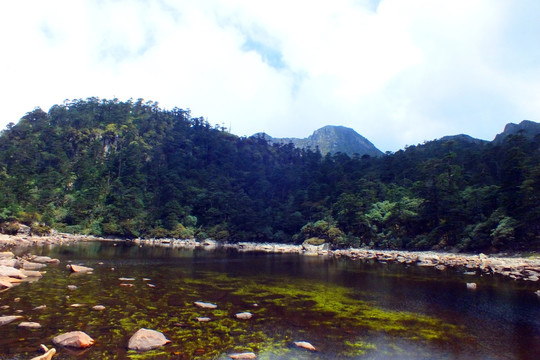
{"x":244,"y":315}
{"x":305,"y":345}
{"x":246,"y":355}
{"x":6,"y":319}
{"x":73,"y":339}
{"x":146,"y":339}
{"x":205,"y":305}
{"x":80,"y":269}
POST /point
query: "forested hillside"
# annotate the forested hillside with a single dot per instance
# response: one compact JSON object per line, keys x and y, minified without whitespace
{"x":132,"y":169}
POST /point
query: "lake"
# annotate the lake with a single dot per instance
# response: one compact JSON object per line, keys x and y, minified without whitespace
{"x":347,"y":309}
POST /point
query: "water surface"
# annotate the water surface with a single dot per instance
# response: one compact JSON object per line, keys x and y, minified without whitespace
{"x":347,"y":309}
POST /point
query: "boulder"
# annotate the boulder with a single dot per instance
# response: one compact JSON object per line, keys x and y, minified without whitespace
{"x":80,"y":269}
{"x":8,"y":271}
{"x":305,"y":345}
{"x":42,"y":259}
{"x":6,"y":255}
{"x":73,"y":339}
{"x":146,"y":339}
{"x":48,"y":354}
{"x":5,"y":283}
{"x":471,"y":286}
{"x":244,"y":315}
{"x":246,"y":355}
{"x":6,"y":319}
{"x":9,"y":262}
{"x":32,"y":273}
{"x":205,"y":305}
{"x":29,"y":325}
{"x":28,"y":265}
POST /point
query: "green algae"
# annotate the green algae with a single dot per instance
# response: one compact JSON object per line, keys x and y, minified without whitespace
{"x":289,"y":309}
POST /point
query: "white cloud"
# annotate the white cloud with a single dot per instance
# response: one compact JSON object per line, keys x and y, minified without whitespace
{"x":397,"y":72}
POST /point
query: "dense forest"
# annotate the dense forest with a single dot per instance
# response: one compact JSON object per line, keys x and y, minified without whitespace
{"x":131,"y":169}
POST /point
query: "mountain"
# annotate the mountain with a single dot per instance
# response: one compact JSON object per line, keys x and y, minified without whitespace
{"x":130,"y":169}
{"x":527,"y":128}
{"x":331,"y":139}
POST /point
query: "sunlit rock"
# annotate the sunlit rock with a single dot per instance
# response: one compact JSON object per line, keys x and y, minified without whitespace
{"x":205,"y":305}
{"x":29,"y":325}
{"x":305,"y":345}
{"x":246,"y":355}
{"x":98,"y":307}
{"x":146,"y":339}
{"x":28,"y":265}
{"x":6,"y":319}
{"x":9,"y":271}
{"x":244,"y":315}
{"x":203,"y":319}
{"x":49,"y":353}
{"x":80,"y":268}
{"x":73,"y":339}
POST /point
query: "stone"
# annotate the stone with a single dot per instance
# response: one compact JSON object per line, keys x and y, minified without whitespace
{"x":41,"y":259}
{"x":537,"y":292}
{"x":471,"y":286}
{"x":244,"y":315}
{"x":40,"y":307}
{"x":32,"y":273}
{"x":205,"y":305}
{"x":47,"y":356}
{"x":126,"y":279}
{"x":203,"y":319}
{"x":305,"y":345}
{"x":73,"y":339}
{"x":6,"y":319}
{"x":98,"y":307}
{"x":6,"y":255}
{"x":5,"y":283}
{"x":29,"y":325}
{"x":80,"y":269}
{"x":72,"y":287}
{"x":9,"y":262}
{"x":27,"y":265}
{"x":9,"y":271}
{"x":246,"y":355}
{"x":146,"y":339}
{"x":126,"y":284}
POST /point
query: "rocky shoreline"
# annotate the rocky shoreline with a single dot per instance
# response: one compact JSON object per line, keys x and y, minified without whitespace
{"x":515,"y":267}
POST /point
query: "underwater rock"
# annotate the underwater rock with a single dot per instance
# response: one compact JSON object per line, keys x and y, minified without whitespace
{"x":80,"y":269}
{"x":98,"y":307}
{"x":305,"y":345}
{"x":126,"y":284}
{"x":471,"y":286}
{"x":72,"y":287}
{"x":73,"y":339}
{"x":246,"y":355}
{"x":126,"y":279}
{"x":146,"y":339}
{"x":203,"y":319}
{"x":29,"y":325}
{"x":205,"y":305}
{"x":40,"y":307}
{"x":6,"y":319}
{"x":151,"y":285}
{"x":244,"y":315}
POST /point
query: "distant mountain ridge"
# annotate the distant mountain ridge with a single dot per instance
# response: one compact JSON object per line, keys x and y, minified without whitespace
{"x":331,"y":139}
{"x":526,"y":128}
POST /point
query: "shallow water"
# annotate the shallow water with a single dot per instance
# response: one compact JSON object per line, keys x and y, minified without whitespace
{"x":347,"y":309}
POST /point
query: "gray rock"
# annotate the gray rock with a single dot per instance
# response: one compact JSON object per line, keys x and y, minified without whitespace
{"x":29,"y":325}
{"x":80,"y":268}
{"x":205,"y":305}
{"x":11,"y":272}
{"x":27,"y":265}
{"x":146,"y":339}
{"x":246,"y":355}
{"x":6,"y":319}
{"x":73,"y":339}
{"x":244,"y":315}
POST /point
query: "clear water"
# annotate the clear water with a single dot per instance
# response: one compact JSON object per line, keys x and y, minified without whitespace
{"x":347,"y":309}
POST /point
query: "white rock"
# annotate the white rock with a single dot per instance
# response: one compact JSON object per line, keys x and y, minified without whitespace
{"x":146,"y":339}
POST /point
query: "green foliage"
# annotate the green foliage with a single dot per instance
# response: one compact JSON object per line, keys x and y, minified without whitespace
{"x":10,"y":228}
{"x":131,"y":169}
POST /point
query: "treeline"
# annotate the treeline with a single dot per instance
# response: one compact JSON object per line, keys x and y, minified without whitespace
{"x":131,"y":169}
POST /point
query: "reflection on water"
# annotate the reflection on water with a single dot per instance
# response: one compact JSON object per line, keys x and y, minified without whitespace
{"x":347,"y":309}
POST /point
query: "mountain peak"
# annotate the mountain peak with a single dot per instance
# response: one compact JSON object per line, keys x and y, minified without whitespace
{"x":527,"y":128}
{"x":331,"y":139}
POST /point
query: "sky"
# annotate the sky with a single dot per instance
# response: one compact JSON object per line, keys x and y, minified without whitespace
{"x":398,"y":72}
